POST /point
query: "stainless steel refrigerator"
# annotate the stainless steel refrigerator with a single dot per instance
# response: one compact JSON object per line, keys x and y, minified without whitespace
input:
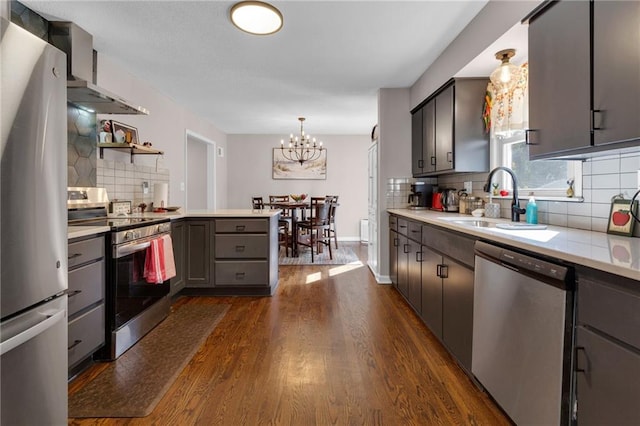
{"x":33,"y":230}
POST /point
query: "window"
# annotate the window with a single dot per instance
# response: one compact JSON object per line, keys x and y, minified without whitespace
{"x":545,"y":178}
{"x":509,"y":116}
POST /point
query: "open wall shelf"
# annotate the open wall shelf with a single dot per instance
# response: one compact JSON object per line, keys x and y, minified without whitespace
{"x":134,"y":149}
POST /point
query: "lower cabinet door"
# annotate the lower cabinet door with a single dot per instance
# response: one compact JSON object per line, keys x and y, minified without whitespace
{"x":608,"y":381}
{"x":403,"y":265}
{"x":414,"y":290}
{"x":232,"y":273}
{"x":431,"y":291}
{"x":457,"y":306}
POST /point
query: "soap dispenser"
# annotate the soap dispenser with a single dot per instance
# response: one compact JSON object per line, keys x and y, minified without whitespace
{"x":532,"y":210}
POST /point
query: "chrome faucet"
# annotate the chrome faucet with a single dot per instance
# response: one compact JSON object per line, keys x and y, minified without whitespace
{"x":516,"y":211}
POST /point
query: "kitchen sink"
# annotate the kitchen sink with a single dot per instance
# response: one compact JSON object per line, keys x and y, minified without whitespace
{"x":476,"y":223}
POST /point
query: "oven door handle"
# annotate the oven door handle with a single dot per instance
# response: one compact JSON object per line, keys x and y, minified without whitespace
{"x":130,"y":248}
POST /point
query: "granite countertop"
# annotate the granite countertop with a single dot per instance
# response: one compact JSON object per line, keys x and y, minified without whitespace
{"x":610,"y":253}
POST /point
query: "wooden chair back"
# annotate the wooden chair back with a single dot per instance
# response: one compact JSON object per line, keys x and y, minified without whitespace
{"x":257,"y":203}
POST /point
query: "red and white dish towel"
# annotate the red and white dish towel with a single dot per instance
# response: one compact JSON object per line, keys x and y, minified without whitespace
{"x":159,"y":265}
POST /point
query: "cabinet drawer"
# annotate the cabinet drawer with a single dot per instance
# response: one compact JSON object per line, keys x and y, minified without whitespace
{"x":450,"y":244}
{"x":242,"y":273}
{"x":403,"y":226}
{"x":414,"y":231}
{"x":86,"y":286}
{"x":393,"y":223}
{"x":241,"y":246}
{"x":85,"y":251}
{"x":86,"y":334}
{"x":242,"y":225}
{"x":609,"y":309}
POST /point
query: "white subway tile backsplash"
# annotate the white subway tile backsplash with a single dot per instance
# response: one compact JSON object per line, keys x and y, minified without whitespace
{"x":579,"y":222}
{"x":579,"y":209}
{"x":600,"y":210}
{"x":605,"y":166}
{"x":558,"y":219}
{"x":604,"y":195}
{"x":558,"y":207}
{"x":599,"y":225}
{"x":630,"y":163}
{"x":608,"y":181}
{"x":629,"y":181}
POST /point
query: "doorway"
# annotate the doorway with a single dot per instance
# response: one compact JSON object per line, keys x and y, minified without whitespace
{"x":200,"y":168}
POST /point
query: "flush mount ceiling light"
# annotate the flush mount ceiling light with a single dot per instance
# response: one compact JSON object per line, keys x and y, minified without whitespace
{"x":304,"y":148}
{"x":506,"y":75}
{"x":256,"y":17}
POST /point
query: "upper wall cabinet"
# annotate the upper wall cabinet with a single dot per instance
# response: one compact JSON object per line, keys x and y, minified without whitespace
{"x":584,"y":78}
{"x":447,"y":130}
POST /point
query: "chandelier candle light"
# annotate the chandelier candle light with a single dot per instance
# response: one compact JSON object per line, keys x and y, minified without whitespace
{"x":301,"y":149}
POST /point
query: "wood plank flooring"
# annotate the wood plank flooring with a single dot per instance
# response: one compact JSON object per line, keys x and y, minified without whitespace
{"x":331,"y":347}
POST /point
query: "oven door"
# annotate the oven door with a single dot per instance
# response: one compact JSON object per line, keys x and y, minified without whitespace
{"x":133,"y":294}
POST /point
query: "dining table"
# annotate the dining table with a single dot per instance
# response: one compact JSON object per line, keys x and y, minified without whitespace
{"x":298,"y":210}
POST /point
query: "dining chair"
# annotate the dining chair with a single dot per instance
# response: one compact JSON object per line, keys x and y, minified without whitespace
{"x":331,"y":232}
{"x":285,"y":233}
{"x":257,"y":203}
{"x":312,"y":232}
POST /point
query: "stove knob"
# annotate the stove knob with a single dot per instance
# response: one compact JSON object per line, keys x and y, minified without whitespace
{"x":128,"y":235}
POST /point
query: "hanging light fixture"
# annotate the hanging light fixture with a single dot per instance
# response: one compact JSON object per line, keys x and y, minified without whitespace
{"x":256,"y":17}
{"x":304,"y":148}
{"x":505,"y":77}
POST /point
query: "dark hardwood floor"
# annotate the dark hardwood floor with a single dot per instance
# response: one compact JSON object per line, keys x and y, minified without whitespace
{"x":330,"y":347}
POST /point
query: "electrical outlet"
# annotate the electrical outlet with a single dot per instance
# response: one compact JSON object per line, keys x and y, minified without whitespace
{"x":181,"y":186}
{"x":468,"y":187}
{"x":638,"y":179}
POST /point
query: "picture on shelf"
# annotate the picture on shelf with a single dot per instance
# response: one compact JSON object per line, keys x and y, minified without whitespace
{"x":123,"y":133}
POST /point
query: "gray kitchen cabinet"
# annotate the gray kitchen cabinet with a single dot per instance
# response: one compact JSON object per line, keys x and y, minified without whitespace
{"x":432,"y":291}
{"x":429,"y":137}
{"x":393,"y":250}
{"x":447,"y":290}
{"x":198,"y":249}
{"x":607,"y":353}
{"x":453,"y":137}
{"x":584,"y":96}
{"x":86,"y":313}
{"x":178,"y":239}
{"x":444,"y":129}
{"x":417,"y":159}
{"x":408,"y":262}
{"x":437,"y":287}
{"x":246,"y":255}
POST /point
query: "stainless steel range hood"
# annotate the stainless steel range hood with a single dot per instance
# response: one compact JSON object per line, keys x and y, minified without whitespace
{"x":81,"y":72}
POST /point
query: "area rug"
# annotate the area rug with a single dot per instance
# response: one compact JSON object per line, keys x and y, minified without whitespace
{"x":132,"y":385}
{"x":341,"y":256}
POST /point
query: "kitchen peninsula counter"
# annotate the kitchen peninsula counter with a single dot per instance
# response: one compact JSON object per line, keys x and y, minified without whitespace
{"x":605,"y":252}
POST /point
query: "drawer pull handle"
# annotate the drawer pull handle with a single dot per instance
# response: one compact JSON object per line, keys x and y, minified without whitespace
{"x":74,"y":255}
{"x":405,"y":248}
{"x":442,"y":271}
{"x":240,"y":275}
{"x":240,"y":227}
{"x":75,"y":343}
{"x":73,"y":293}
{"x":239,"y":248}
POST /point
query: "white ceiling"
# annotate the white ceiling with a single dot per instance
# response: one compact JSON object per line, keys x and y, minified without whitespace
{"x":326,"y":64}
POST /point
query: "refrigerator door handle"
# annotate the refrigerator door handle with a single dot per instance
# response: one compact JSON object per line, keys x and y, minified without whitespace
{"x":50,"y":320}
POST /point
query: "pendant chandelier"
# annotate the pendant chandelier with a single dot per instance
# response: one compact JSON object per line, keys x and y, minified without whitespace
{"x":505,"y":77}
{"x":303,"y":148}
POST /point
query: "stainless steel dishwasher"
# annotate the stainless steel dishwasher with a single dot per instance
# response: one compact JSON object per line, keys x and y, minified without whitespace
{"x":522,"y":333}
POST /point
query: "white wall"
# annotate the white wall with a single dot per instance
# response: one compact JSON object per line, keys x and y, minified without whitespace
{"x":165,"y":127}
{"x":249,"y":160}
{"x":495,"y":19}
{"x":394,"y":159}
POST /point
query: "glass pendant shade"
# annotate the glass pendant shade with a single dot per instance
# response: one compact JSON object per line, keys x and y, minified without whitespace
{"x":505,"y":77}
